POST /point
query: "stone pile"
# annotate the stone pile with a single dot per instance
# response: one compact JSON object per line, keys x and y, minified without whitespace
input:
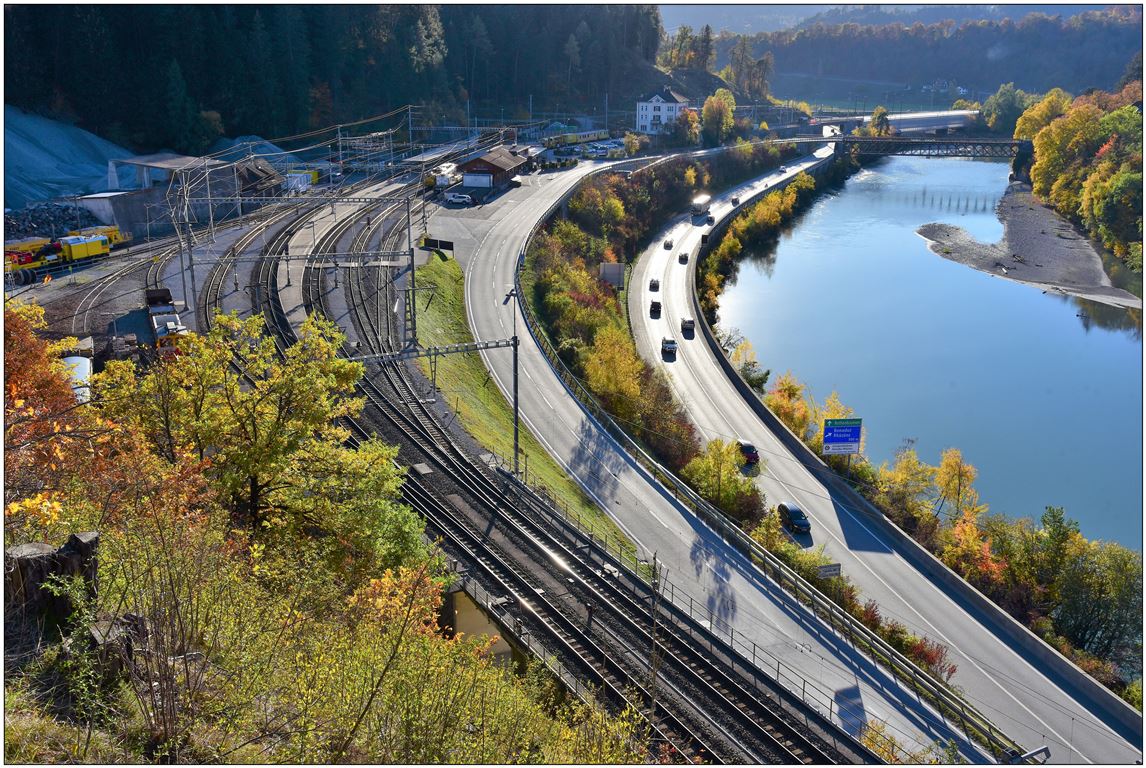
{"x":46,"y":219}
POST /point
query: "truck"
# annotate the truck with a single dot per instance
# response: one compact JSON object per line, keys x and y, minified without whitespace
{"x":165,"y":323}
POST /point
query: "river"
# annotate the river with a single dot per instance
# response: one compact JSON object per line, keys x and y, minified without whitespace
{"x":1043,"y":394}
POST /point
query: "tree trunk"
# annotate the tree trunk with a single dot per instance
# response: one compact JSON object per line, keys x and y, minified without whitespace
{"x":254,"y":499}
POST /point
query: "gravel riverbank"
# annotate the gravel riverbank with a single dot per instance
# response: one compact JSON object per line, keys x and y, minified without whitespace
{"x":1038,"y":248}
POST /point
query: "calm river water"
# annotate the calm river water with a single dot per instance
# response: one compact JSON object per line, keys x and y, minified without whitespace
{"x":1045,"y":403}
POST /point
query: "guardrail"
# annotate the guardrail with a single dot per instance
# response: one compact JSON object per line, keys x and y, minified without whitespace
{"x":974,"y":724}
{"x":1096,"y":694}
{"x":697,"y":619}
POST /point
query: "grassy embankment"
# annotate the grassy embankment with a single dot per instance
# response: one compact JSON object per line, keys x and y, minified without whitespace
{"x":481,"y":408}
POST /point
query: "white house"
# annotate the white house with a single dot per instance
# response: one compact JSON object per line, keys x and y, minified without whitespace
{"x":657,"y":113}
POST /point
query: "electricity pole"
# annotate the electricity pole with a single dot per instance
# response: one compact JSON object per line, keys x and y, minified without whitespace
{"x":654,"y":651}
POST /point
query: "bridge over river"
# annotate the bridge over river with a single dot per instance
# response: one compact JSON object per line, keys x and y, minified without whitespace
{"x":932,"y":146}
{"x":922,"y":146}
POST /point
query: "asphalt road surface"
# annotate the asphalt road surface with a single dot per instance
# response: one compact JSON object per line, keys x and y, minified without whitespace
{"x":488,"y":240}
{"x":1032,"y":706}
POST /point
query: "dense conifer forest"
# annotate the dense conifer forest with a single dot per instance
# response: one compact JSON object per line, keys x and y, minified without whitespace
{"x":181,"y":75}
{"x":1036,"y":52}
{"x":178,"y":75}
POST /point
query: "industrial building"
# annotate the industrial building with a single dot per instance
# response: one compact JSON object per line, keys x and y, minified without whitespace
{"x":139,"y":186}
{"x":493,"y":170}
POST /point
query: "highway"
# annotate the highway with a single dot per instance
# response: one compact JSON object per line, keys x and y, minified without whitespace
{"x":1032,"y":707}
{"x":489,"y":240}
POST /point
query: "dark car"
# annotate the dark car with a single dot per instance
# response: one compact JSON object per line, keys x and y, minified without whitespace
{"x":748,"y":451}
{"x":654,"y":284}
{"x":794,"y":518}
{"x":683,"y":257}
{"x":655,"y":308}
{"x":711,"y":219}
{"x":736,"y":200}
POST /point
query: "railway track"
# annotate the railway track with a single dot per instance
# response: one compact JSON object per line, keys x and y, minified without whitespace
{"x":544,"y":618}
{"x":745,"y":731}
{"x":777,"y":735}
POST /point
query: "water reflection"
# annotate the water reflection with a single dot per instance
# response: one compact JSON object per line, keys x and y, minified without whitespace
{"x":852,"y":300}
{"x":1092,"y":313}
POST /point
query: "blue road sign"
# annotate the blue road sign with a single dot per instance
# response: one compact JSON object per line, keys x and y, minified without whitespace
{"x":842,"y":436}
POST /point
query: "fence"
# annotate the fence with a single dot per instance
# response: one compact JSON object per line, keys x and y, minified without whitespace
{"x":974,"y":724}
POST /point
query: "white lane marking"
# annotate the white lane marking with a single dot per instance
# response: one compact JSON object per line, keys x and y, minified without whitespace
{"x":686,"y":359}
{"x":717,"y":574}
{"x":990,"y":678}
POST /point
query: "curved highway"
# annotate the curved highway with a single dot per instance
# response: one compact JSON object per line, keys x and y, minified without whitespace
{"x":1032,"y":706}
{"x":488,"y":240}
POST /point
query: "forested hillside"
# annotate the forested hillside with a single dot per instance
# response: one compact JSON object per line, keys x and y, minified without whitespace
{"x":1088,"y":163}
{"x":1036,"y":53}
{"x":178,"y":75}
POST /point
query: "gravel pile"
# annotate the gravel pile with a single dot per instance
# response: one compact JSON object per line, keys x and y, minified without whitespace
{"x":1038,"y":248}
{"x":46,"y":220}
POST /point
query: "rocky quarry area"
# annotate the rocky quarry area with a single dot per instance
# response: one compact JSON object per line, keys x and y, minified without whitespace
{"x":46,"y":219}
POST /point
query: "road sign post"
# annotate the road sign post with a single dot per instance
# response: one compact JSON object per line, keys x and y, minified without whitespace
{"x":829,"y":571}
{"x":842,"y":436}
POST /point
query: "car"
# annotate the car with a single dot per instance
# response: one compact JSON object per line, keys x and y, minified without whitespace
{"x":458,"y":197}
{"x":710,"y":219}
{"x":793,"y":518}
{"x":654,"y":284}
{"x":748,"y":451}
{"x":736,"y":200}
{"x":687,"y":325}
{"x":668,"y":244}
{"x":783,"y":167}
{"x":682,"y":257}
{"x":668,"y":346}
{"x":655,"y":308}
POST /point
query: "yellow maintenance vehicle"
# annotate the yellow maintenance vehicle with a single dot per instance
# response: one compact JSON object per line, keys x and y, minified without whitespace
{"x":112,"y":233}
{"x":24,"y":259}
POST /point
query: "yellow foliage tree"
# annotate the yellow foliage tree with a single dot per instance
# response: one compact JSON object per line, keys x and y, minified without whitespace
{"x":1054,"y":104}
{"x":903,"y":489}
{"x":786,"y":400}
{"x":715,"y":474}
{"x":613,"y":371}
{"x":967,"y":551}
{"x":954,"y":483}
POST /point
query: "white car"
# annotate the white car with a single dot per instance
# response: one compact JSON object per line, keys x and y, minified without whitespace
{"x":458,"y":197}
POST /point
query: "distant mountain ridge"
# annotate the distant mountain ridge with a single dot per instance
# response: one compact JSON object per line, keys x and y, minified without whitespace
{"x":740,"y":19}
{"x":930,"y":14}
{"x":1036,"y":53}
{"x":751,"y":19}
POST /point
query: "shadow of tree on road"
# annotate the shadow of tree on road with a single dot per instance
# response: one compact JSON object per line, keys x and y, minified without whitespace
{"x":720,"y":599}
{"x":595,"y":461}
